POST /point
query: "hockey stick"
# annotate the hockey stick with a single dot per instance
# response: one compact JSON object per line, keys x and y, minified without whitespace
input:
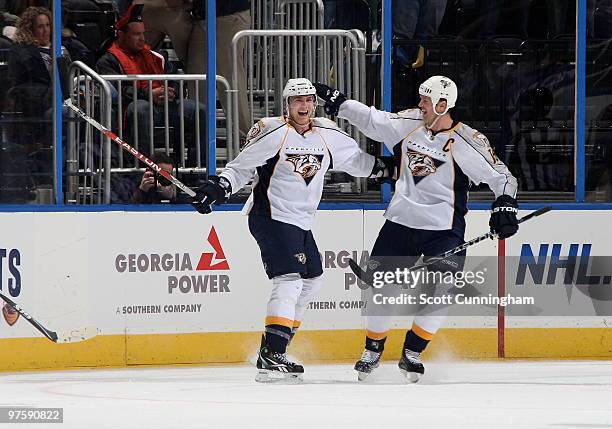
{"x":114,"y":137}
{"x":57,"y":337}
{"x":361,"y":274}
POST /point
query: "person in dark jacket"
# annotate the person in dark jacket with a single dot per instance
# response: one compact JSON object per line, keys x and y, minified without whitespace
{"x":30,"y":63}
{"x":30,"y":77}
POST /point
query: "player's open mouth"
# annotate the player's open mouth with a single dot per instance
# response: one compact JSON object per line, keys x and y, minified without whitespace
{"x":303,"y":114}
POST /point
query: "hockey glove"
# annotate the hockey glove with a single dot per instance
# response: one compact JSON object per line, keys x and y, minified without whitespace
{"x":503,"y":220}
{"x":217,"y":189}
{"x":333,"y":98}
{"x":384,"y":169}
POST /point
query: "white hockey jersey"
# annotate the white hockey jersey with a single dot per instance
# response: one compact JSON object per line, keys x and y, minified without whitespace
{"x":289,"y":168}
{"x":434,"y":169}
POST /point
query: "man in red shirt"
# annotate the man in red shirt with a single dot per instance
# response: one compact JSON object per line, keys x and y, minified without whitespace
{"x":131,"y":56}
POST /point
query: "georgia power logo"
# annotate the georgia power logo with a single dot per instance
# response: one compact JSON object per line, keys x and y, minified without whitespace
{"x":189,"y":279}
{"x":10,"y":281}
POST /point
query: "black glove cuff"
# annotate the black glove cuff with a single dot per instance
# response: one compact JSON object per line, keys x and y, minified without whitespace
{"x":224,"y":188}
{"x":504,"y":204}
{"x":384,"y":165}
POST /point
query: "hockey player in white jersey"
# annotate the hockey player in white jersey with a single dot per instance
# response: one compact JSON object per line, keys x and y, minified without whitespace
{"x":437,"y":158}
{"x":288,"y":156}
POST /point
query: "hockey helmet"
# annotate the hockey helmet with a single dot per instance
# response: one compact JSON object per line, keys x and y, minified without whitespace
{"x":437,"y":88}
{"x":297,"y":87}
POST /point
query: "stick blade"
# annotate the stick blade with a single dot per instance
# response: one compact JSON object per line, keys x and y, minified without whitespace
{"x":76,"y":335}
{"x":356,"y":269}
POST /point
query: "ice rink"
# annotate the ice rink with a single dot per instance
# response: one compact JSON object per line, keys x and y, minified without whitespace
{"x":511,"y":394}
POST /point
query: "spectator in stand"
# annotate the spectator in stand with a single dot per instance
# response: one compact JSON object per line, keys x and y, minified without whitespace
{"x":31,"y":78}
{"x":156,"y":189}
{"x":418,"y":20}
{"x":130,"y":55}
{"x":234,"y":16}
{"x":185,"y":24}
{"x":30,"y":62}
{"x":185,"y":28}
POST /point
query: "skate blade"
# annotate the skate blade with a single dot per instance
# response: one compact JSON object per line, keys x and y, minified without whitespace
{"x":361,"y":376}
{"x":411,"y":377}
{"x":264,"y":376}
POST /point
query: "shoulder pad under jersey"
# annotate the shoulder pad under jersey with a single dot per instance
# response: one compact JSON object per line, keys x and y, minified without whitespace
{"x":262,"y":128}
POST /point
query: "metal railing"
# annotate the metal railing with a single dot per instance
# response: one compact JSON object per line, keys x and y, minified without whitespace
{"x":89,"y":166}
{"x":88,"y":175}
{"x":336,"y":57}
{"x":300,"y":15}
{"x":287,"y":14}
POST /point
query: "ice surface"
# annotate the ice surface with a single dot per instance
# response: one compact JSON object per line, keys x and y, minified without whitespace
{"x":454,"y":395}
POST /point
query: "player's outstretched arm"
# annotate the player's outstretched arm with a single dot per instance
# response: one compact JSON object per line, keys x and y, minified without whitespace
{"x":385,"y":127}
{"x":349,"y":157}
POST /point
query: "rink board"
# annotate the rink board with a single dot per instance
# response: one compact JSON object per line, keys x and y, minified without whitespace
{"x":180,"y":288}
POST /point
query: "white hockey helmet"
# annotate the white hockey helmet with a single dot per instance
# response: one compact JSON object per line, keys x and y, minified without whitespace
{"x":437,"y":88}
{"x":297,"y":87}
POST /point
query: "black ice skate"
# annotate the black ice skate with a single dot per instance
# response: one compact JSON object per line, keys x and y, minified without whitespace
{"x":368,"y":362}
{"x":274,"y":366}
{"x":411,"y":366}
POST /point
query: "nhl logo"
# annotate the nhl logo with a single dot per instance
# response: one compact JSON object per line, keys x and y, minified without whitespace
{"x":10,"y":315}
{"x":373,"y":264}
{"x":301,"y":257}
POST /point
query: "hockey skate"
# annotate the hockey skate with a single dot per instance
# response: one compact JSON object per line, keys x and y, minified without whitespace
{"x":273,"y":366}
{"x":369,"y":361}
{"x":411,"y":366}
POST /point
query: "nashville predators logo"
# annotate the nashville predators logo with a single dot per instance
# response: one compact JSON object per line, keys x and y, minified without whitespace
{"x":254,"y":132}
{"x":306,"y":165}
{"x":420,"y":164}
